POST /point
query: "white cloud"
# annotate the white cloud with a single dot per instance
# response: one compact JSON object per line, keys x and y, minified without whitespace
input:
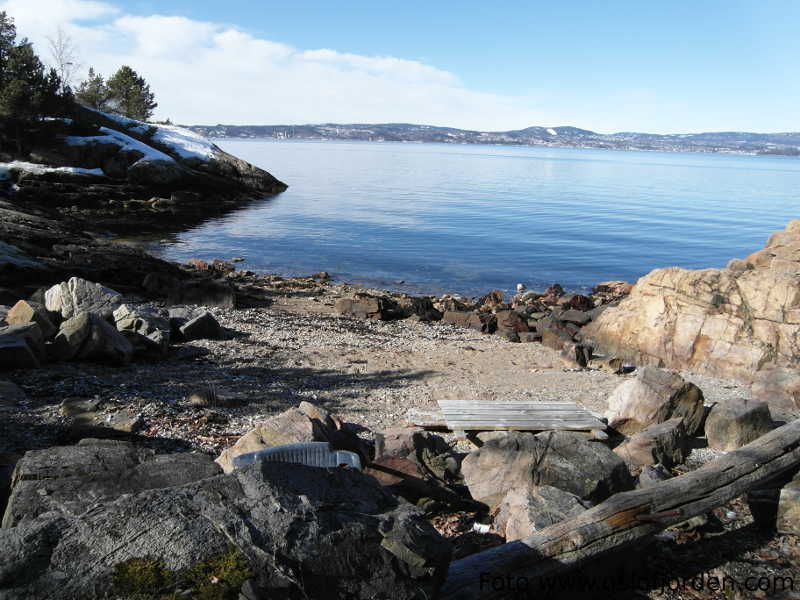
{"x":208,"y":73}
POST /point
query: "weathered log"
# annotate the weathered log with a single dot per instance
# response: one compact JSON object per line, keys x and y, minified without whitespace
{"x":624,"y":519}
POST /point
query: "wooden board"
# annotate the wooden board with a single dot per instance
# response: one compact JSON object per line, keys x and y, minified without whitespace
{"x":473,"y":415}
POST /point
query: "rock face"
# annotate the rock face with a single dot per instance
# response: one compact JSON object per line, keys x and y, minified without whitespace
{"x":654,"y":396}
{"x":664,"y":443}
{"x":561,"y":459}
{"x":292,"y":529}
{"x":306,"y":423}
{"x":735,"y":422}
{"x":69,"y":478}
{"x":526,"y":510}
{"x":78,"y":295}
{"x":739,"y":322}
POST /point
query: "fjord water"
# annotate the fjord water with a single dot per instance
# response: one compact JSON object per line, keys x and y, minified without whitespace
{"x":469,"y":219}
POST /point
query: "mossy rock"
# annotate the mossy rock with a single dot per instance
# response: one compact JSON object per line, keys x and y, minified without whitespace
{"x":219,"y":577}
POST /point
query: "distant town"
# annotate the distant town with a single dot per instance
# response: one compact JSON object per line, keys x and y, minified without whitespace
{"x":733,"y":142}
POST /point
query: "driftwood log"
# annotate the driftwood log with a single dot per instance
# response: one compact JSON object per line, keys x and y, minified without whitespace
{"x":624,"y":520}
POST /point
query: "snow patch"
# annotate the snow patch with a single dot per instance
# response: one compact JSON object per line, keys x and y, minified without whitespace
{"x":125,"y":142}
{"x":39,"y":169}
{"x":552,"y":131}
{"x":185,"y":143}
{"x":131,"y":124}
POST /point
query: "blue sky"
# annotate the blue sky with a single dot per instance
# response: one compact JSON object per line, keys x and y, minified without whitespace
{"x":607,"y":66}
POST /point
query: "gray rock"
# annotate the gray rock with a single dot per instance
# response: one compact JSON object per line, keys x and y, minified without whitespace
{"x":68,"y":479}
{"x":93,"y":417}
{"x":145,"y":328}
{"x":652,"y":475}
{"x":735,"y":422}
{"x":526,"y":510}
{"x":78,"y":295}
{"x":21,"y":346}
{"x":428,"y":450}
{"x":202,"y":327}
{"x":654,"y":396}
{"x":88,"y":337}
{"x":23,"y":312}
{"x":301,"y":530}
{"x":578,"y":317}
{"x":566,"y":460}
{"x":665,"y":443}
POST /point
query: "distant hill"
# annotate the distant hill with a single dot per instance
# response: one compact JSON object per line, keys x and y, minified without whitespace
{"x":571,"y":137}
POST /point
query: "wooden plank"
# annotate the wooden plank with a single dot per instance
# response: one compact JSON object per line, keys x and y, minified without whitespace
{"x":625,"y":519}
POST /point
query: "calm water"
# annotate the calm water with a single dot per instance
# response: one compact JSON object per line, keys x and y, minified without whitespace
{"x":472,"y":218}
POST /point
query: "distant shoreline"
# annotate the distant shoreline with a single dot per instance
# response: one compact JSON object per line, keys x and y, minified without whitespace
{"x":736,"y":143}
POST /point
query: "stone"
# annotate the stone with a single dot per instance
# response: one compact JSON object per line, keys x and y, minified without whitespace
{"x":11,"y":395}
{"x":728,"y":323}
{"x":654,"y":396}
{"x":788,"y":518}
{"x":524,"y":511}
{"x":665,"y":443}
{"x":576,"y":355}
{"x":203,"y":293}
{"x":145,"y":328}
{"x":779,"y":386}
{"x":529,"y":336}
{"x":365,"y":306}
{"x":735,"y":422}
{"x":16,"y":353}
{"x":78,"y":295}
{"x":67,"y":479}
{"x":86,"y":336}
{"x":426,"y":449}
{"x":310,"y":532}
{"x":201,"y":327}
{"x":652,"y":475}
{"x":23,"y":312}
{"x":512,"y":320}
{"x":306,"y":423}
{"x":579,"y":303}
{"x":93,"y":417}
{"x":419,"y":306}
{"x":483,"y":322}
{"x":566,"y":460}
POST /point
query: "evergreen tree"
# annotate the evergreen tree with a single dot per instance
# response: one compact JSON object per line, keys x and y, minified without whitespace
{"x":27,"y":91}
{"x":130,"y":95}
{"x":93,"y":91}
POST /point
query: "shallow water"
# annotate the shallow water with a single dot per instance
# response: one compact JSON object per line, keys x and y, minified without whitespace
{"x":468,"y":219}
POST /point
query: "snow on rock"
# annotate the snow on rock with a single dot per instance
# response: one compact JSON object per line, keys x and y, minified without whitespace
{"x":125,"y":142}
{"x":185,"y":143}
{"x":552,"y":131}
{"x":38,"y":169}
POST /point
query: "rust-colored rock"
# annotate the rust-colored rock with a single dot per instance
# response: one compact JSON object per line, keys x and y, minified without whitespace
{"x":734,"y":322}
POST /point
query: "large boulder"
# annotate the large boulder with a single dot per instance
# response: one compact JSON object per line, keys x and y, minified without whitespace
{"x":736,"y":322}
{"x":272,"y":529}
{"x":21,"y":346}
{"x":305,"y":423}
{"x":526,"y":510}
{"x":67,"y":479}
{"x":735,"y":422}
{"x":566,"y":460}
{"x":78,"y":295}
{"x":86,"y":336}
{"x":654,"y":396}
{"x":665,"y":443}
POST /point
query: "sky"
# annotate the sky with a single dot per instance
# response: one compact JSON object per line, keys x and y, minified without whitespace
{"x":611,"y":65}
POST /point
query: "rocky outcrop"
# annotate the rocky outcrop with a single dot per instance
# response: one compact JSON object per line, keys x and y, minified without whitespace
{"x":739,"y":322}
{"x":566,"y":460}
{"x":66,"y":479}
{"x":280,"y":530}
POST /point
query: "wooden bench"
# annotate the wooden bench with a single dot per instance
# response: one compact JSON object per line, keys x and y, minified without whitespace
{"x":461,"y":416}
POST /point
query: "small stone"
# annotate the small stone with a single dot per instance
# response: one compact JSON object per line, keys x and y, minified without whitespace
{"x":736,"y":422}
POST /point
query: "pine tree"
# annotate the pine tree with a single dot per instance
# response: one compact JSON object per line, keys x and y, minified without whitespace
{"x":93,"y":91}
{"x":130,"y":95}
